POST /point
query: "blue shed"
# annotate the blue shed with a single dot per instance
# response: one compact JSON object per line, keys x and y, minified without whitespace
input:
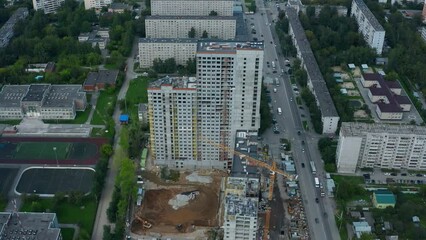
{"x":124,"y":119}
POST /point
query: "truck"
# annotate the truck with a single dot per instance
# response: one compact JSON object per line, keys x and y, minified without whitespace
{"x":317,"y":183}
{"x":314,"y":170}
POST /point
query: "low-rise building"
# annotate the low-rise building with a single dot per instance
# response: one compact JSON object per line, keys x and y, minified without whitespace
{"x":363,"y":145}
{"x":42,"y":101}
{"x":383,"y":199}
{"x":100,"y":80}
{"x":98,"y":37}
{"x":360,"y":228}
{"x":96,"y":4}
{"x":40,"y":67}
{"x":240,"y":208}
{"x":25,"y":225}
{"x":181,"y":49}
{"x":6,"y":31}
{"x":390,"y":104}
{"x":119,"y":7}
{"x":222,"y":27}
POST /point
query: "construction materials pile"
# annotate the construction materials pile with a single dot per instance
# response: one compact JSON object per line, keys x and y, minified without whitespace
{"x":183,"y":199}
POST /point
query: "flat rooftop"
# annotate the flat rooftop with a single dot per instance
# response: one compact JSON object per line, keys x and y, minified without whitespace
{"x":326,"y":103}
{"x":28,"y":226}
{"x":102,"y":77}
{"x":240,"y":206}
{"x":228,"y":46}
{"x":248,"y":186}
{"x":369,"y":15}
{"x":158,"y":17}
{"x":167,"y":40}
{"x":175,"y":82}
{"x":350,"y":129}
{"x":247,"y":146}
{"x":36,"y":92}
{"x":11,"y":95}
{"x":63,"y":95}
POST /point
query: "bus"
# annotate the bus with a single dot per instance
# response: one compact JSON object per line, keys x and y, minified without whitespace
{"x":317,"y":182}
{"x":279,"y":111}
{"x":273,"y":65}
{"x":314,"y":170}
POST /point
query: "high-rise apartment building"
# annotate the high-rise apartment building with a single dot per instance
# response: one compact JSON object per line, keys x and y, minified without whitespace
{"x":97,"y":4}
{"x":363,"y":145}
{"x":240,"y":208}
{"x":48,"y":6}
{"x":191,"y":7}
{"x":180,"y":49}
{"x":222,"y":27}
{"x":229,"y":84}
{"x":172,"y":112}
{"x":194,"y":125}
{"x":373,"y":32}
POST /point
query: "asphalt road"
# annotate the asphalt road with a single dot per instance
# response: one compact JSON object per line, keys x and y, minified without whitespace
{"x":289,"y":123}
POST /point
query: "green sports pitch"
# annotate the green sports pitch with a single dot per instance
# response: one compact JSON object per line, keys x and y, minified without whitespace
{"x":43,"y":150}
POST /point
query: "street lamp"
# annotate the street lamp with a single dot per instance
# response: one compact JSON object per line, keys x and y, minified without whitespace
{"x":56,"y":156}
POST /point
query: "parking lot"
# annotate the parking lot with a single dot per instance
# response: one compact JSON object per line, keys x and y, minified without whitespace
{"x":380,"y":177}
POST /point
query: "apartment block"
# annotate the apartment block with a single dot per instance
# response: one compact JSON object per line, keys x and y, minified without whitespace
{"x":96,"y":4}
{"x":47,"y":6}
{"x":194,"y":124}
{"x":26,"y":225}
{"x":316,"y":83}
{"x":6,"y":31}
{"x":42,"y":101}
{"x":363,"y":145}
{"x":230,"y":82}
{"x":181,"y":49}
{"x":191,"y":7}
{"x":368,"y":26}
{"x":172,"y":117}
{"x":222,"y":27}
{"x":240,"y":208}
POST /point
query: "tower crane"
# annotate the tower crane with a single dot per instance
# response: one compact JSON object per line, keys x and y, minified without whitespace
{"x":273,"y":171}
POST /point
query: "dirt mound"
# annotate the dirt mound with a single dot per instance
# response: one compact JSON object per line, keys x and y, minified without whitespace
{"x":201,"y":211}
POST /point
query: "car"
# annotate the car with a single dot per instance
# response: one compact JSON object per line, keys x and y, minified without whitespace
{"x":419,"y":175}
{"x":303,"y":142}
{"x":271,"y":42}
{"x":393,"y":174}
{"x":316,"y":220}
{"x":261,"y":35}
{"x":275,"y":90}
{"x":301,"y":108}
{"x":274,"y":120}
{"x":274,"y":71}
{"x":291,"y":99}
{"x":267,"y":63}
{"x":254,"y":39}
{"x":302,"y":115}
{"x":303,"y":165}
{"x":298,"y":133}
{"x":403,"y":174}
{"x":317,"y":200}
{"x":303,"y":150}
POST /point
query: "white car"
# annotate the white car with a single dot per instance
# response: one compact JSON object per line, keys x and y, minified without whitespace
{"x":275,"y":90}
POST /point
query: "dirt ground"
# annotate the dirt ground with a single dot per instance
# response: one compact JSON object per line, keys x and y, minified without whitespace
{"x":360,"y":114}
{"x":202,"y":211}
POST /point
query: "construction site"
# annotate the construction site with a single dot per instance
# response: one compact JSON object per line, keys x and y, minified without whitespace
{"x":188,"y":205}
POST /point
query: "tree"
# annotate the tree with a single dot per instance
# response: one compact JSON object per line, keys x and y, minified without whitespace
{"x":192,"y":33}
{"x":106,"y":150}
{"x":213,"y":13}
{"x":205,"y":34}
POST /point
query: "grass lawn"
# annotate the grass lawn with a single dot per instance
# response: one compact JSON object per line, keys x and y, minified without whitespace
{"x":11,"y":122}
{"x":105,"y":104}
{"x":353,"y":179}
{"x":137,"y":93}
{"x":83,"y":215}
{"x":67,"y":233}
{"x":100,"y":132}
{"x":298,"y":100}
{"x":80,"y":118}
{"x":341,"y":225}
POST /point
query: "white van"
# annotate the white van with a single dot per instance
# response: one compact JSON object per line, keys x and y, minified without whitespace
{"x":279,"y":111}
{"x":275,"y":90}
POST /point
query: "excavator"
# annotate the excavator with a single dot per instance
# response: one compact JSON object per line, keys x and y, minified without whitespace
{"x":273,"y":171}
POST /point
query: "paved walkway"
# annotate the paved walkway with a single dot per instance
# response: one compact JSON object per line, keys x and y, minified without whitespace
{"x":74,"y":226}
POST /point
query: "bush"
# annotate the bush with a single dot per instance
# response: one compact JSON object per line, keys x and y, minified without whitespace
{"x":170,"y":174}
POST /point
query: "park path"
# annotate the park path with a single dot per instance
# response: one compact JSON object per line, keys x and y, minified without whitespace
{"x":106,"y":196}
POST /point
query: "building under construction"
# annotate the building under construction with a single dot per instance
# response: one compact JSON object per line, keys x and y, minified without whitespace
{"x":29,"y":226}
{"x":241,"y":208}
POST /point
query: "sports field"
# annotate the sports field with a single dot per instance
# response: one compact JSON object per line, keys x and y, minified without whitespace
{"x":75,"y":151}
{"x":49,"y":181}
